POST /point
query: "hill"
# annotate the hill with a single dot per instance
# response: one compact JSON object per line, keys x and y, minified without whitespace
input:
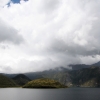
{"x":43,"y":83}
{"x":21,"y":79}
{"x":6,"y":82}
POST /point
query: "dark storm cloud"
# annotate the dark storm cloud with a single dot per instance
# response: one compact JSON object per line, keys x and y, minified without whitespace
{"x":9,"y":34}
{"x":59,"y":46}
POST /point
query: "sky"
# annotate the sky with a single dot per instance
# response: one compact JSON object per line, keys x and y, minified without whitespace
{"x":37,"y":35}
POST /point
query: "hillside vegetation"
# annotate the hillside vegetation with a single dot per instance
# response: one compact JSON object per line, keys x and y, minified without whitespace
{"x":6,"y":82}
{"x":21,"y":79}
{"x":43,"y":83}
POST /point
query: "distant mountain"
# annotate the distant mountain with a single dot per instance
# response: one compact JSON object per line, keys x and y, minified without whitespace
{"x":42,"y":74}
{"x":96,"y":64}
{"x":21,"y":79}
{"x":10,"y":75}
{"x":86,"y":77}
{"x":44,"y":83}
{"x":80,"y":66}
{"x":6,"y":82}
{"x":82,"y":75}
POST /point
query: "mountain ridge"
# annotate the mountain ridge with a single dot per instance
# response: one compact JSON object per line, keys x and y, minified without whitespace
{"x":83,"y":77}
{"x":80,"y":66}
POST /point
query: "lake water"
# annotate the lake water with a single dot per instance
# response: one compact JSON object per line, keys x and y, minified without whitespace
{"x":50,"y":94}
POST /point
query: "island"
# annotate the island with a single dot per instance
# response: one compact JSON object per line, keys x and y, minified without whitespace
{"x":44,"y":83}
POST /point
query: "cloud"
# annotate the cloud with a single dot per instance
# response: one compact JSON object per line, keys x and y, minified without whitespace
{"x":9,"y":34}
{"x":56,"y":33}
{"x":3,"y":2}
{"x":50,"y":5}
{"x":5,"y":69}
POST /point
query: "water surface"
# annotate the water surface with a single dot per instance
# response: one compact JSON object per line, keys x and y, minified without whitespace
{"x":50,"y":94}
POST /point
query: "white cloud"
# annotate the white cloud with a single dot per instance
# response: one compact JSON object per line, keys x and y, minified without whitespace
{"x":65,"y":32}
{"x":3,"y":2}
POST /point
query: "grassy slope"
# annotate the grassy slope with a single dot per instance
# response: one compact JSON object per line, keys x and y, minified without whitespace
{"x":6,"y":82}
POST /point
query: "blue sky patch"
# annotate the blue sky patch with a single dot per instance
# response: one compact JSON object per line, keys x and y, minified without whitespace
{"x":17,"y":1}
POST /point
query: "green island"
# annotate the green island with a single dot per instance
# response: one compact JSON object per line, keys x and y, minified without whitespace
{"x":44,"y":83}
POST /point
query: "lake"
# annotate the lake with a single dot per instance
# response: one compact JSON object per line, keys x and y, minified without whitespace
{"x":50,"y":94}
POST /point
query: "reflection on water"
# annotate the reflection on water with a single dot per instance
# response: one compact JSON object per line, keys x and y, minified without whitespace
{"x":50,"y":94}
